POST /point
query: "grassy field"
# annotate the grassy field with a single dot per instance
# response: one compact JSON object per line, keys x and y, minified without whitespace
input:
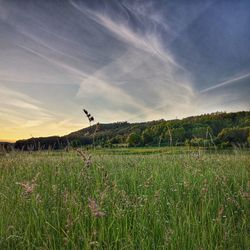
{"x":125,"y":199}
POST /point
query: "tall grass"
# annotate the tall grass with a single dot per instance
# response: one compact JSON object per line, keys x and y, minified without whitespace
{"x":51,"y":200}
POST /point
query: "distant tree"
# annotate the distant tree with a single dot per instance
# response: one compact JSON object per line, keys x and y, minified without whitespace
{"x":147,"y":136}
{"x":134,"y":139}
{"x":234,"y":135}
{"x":115,"y":140}
{"x":178,"y":135}
{"x":75,"y":143}
{"x":248,"y":140}
{"x":196,"y":142}
{"x":201,"y":132}
{"x":245,"y":122}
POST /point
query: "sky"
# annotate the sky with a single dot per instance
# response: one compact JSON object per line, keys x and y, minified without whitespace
{"x":122,"y":60}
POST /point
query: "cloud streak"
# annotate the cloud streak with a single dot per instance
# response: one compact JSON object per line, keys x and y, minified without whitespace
{"x":226,"y":83}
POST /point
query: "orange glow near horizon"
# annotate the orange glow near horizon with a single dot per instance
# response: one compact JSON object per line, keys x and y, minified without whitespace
{"x":13,"y":134}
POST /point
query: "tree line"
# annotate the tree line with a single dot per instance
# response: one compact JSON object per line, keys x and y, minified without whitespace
{"x":218,"y":129}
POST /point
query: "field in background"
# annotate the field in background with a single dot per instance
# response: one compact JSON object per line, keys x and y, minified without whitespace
{"x":152,"y":198}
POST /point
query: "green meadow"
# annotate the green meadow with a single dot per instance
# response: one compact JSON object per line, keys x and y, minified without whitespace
{"x":151,"y":198}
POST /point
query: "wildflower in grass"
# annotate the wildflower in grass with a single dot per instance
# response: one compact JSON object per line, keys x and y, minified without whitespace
{"x":94,"y":208}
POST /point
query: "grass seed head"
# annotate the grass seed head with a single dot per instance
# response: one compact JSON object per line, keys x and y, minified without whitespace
{"x":29,"y":186}
{"x":94,"y":208}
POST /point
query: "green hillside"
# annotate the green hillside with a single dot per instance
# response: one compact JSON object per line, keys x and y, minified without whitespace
{"x":220,"y":129}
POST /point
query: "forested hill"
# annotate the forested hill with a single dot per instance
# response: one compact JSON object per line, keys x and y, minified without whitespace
{"x":220,"y":128}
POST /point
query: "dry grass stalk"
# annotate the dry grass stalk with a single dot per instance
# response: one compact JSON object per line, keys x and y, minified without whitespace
{"x":85,"y":157}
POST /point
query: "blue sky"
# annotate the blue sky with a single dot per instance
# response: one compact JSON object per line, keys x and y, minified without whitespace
{"x":121,"y":60}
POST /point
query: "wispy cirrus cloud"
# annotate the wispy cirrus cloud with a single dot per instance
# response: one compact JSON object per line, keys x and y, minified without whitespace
{"x":124,"y":60}
{"x":230,"y":81}
{"x":145,"y":65}
{"x":10,"y":99}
